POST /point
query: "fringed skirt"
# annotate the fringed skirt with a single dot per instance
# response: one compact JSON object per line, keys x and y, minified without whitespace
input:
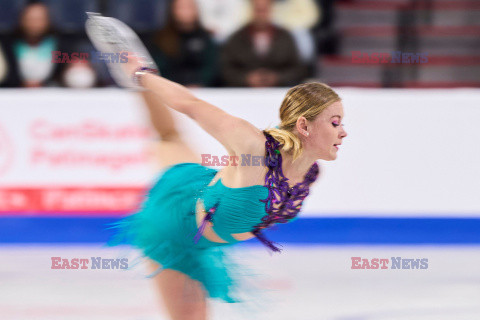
{"x":164,"y":230}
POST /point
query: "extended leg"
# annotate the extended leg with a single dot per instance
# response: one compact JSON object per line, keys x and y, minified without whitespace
{"x":160,"y":116}
{"x":172,"y":149}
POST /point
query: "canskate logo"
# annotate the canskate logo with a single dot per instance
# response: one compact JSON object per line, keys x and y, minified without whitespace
{"x":396,"y":263}
{"x":96,"y":263}
{"x":6,"y":152}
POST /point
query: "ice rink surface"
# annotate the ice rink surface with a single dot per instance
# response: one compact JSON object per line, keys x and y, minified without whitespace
{"x":311,"y":282}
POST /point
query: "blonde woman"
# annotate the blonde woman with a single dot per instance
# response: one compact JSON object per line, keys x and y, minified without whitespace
{"x":193,"y":210}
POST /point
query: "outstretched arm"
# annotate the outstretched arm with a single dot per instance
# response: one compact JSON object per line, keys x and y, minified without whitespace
{"x":235,"y":134}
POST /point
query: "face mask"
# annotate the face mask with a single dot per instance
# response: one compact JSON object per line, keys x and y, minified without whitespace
{"x":79,"y":77}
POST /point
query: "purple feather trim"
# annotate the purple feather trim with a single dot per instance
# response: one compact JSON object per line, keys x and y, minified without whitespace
{"x":260,"y":236}
{"x":206,"y":219}
{"x":200,"y":231}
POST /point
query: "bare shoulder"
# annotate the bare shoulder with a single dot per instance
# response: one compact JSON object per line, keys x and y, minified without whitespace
{"x":251,"y":144}
{"x":237,"y":135}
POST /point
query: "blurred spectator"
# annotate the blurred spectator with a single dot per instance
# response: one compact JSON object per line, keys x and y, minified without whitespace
{"x":92,"y":72}
{"x":223,"y":17}
{"x":299,"y":17}
{"x":29,"y":50}
{"x":261,"y":54}
{"x":3,"y":65}
{"x":184,"y":50}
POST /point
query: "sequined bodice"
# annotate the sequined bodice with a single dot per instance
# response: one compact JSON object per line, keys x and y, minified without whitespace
{"x":253,"y":208}
{"x":283,"y":202}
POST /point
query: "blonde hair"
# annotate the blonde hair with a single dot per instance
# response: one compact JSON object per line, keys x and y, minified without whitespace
{"x":305,"y":100}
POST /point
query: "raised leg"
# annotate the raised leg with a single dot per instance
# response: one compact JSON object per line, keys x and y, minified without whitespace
{"x":171,"y":149}
{"x":183,"y":297}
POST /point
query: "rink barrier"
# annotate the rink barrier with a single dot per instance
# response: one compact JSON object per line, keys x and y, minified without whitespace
{"x":325,"y":230}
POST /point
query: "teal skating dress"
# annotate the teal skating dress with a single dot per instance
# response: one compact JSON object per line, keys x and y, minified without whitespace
{"x":165,"y":228}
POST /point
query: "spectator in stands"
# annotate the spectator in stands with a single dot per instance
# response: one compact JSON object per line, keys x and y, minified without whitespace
{"x":223,"y":17}
{"x":29,"y":50}
{"x":298,"y":17}
{"x":3,"y":65}
{"x":261,"y":54}
{"x":88,"y":73}
{"x":183,"y":49}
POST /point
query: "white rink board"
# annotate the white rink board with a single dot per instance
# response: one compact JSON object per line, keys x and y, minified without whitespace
{"x":408,"y":153}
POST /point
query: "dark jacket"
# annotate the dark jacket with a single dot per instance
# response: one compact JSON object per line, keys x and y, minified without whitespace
{"x":239,"y":58}
{"x":195,"y":63}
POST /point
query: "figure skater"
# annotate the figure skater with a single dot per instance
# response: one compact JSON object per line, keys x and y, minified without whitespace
{"x":193,"y":212}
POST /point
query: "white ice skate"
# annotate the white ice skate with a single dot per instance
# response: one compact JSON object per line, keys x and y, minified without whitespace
{"x":110,"y":35}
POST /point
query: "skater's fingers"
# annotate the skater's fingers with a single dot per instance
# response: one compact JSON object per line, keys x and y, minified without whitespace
{"x":134,"y":62}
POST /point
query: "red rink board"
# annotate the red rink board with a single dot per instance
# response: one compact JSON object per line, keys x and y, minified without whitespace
{"x":71,"y":200}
